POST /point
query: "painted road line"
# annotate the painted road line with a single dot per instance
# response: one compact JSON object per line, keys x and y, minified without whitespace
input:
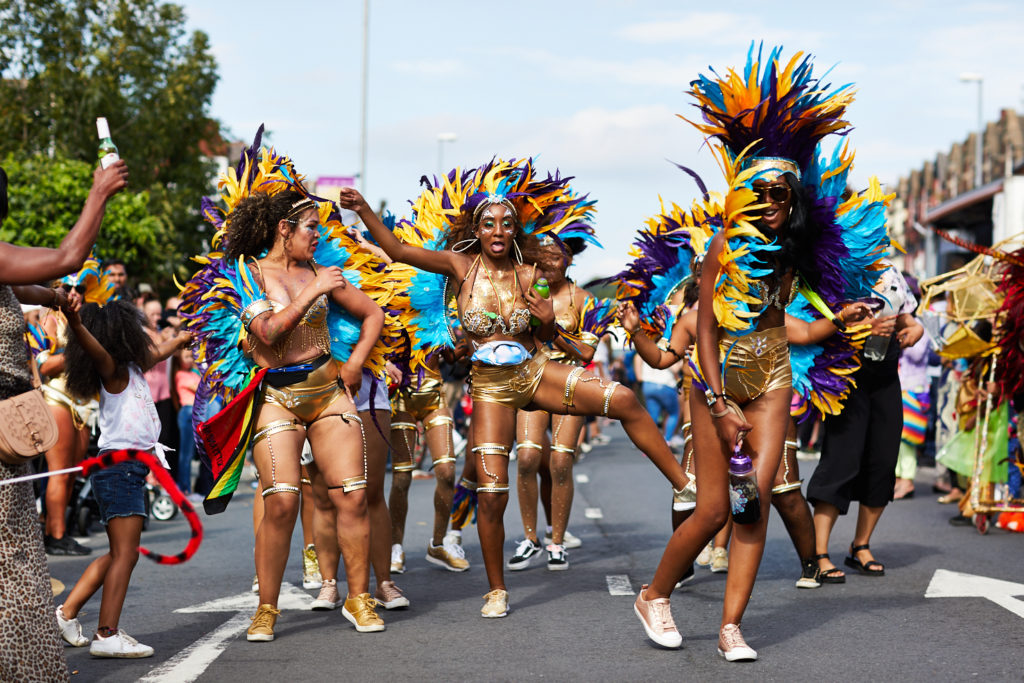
{"x":593,"y":513}
{"x":947,"y":584}
{"x":618,"y":584}
{"x":192,"y":662}
{"x":582,"y":479}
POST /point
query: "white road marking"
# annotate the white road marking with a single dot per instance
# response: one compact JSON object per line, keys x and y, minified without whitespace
{"x":582,"y":479}
{"x":190,"y":663}
{"x":618,"y":584}
{"x":593,"y":513}
{"x":947,"y":584}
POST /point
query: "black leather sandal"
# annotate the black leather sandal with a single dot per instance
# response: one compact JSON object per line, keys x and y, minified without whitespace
{"x":866,"y":568}
{"x":834,"y":575}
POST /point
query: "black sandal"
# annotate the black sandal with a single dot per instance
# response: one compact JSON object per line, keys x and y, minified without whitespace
{"x":833,"y":575}
{"x":865,"y":568}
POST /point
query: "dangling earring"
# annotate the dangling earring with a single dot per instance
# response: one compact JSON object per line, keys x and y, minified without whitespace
{"x":465,"y":245}
{"x":517,"y":252}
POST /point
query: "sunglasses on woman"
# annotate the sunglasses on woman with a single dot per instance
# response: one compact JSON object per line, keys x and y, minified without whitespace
{"x":774,"y":194}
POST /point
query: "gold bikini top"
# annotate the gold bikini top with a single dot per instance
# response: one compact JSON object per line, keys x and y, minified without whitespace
{"x":311,"y":332}
{"x":481,"y":322}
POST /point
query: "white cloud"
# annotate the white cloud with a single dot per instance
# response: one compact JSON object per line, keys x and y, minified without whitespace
{"x":716,"y":28}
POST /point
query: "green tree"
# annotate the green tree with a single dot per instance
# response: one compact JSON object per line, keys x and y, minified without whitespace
{"x":66,"y":62}
{"x":46,"y":196}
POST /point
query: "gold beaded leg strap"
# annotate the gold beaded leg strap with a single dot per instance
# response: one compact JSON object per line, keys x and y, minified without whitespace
{"x":405,"y":428}
{"x":786,"y":486}
{"x":485,"y":449}
{"x":529,"y":444}
{"x":570,"y":387}
{"x":467,"y":484}
{"x":608,"y":397}
{"x":266,"y":432}
{"x":353,"y":483}
{"x":276,"y":427}
{"x":571,"y":450}
{"x":441,"y":421}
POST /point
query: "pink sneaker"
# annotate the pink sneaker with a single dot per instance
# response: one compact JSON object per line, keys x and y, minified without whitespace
{"x":732,"y":646}
{"x":656,"y":616}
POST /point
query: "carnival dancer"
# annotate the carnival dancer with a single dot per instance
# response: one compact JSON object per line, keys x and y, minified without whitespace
{"x":779,"y":230}
{"x":284,"y":332}
{"x":107,"y":352}
{"x":581,"y":321}
{"x":492,"y":254}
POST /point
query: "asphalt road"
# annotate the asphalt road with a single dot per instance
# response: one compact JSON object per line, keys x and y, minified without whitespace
{"x":567,"y":625}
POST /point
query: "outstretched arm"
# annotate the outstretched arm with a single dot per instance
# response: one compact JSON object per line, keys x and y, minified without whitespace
{"x":681,"y":339}
{"x":28,"y":265}
{"x":162,"y":350}
{"x":444,"y":262}
{"x":801,"y":332}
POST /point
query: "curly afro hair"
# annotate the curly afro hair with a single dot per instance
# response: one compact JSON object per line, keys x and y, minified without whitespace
{"x":118,"y":327}
{"x":252,"y":226}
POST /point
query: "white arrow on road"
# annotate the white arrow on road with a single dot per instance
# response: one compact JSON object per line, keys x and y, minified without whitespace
{"x":190,"y":663}
{"x":947,"y":584}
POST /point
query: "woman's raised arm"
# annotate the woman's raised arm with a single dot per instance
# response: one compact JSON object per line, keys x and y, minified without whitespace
{"x":444,"y":262}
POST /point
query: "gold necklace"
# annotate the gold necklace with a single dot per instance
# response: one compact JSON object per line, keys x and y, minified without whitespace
{"x":497,"y":296}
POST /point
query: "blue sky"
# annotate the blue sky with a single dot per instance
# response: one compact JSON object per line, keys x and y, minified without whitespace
{"x":590,"y":87}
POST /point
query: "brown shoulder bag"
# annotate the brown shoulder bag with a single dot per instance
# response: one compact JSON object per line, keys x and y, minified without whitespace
{"x":27,"y":427}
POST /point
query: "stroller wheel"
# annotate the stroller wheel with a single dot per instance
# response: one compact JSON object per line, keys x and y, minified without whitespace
{"x":163,"y":508}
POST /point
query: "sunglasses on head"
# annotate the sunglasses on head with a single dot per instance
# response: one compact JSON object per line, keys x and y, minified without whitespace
{"x":773,"y":193}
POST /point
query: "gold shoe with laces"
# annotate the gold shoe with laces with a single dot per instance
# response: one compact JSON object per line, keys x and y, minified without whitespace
{"x":262,"y":627}
{"x":496,"y":605}
{"x":732,"y":646}
{"x":359,"y":610}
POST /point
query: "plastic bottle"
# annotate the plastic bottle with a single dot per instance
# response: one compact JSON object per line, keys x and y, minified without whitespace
{"x":746,"y":507}
{"x":877,"y":345}
{"x":107,"y":151}
{"x":541,"y":287}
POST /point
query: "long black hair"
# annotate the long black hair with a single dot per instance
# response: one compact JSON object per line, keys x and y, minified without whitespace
{"x":802,"y":232}
{"x":118,"y":327}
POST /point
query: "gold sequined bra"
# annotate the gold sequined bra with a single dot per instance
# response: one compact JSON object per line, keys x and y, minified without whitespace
{"x":310,"y":333}
{"x":481,"y":322}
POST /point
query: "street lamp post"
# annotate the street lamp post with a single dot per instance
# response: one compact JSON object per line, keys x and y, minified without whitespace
{"x":363,"y":132}
{"x":977,"y":78}
{"x":441,"y":139}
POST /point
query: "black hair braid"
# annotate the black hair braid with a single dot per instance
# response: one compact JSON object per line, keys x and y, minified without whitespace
{"x":118,"y":327}
{"x":252,"y":225}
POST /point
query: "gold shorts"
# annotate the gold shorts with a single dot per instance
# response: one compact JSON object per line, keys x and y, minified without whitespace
{"x":310,"y":397}
{"x":428,"y":398}
{"x":55,"y":393}
{"x":510,"y":385}
{"x":755,"y":363}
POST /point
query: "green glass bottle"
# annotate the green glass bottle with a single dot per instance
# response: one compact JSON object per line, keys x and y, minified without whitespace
{"x":107,"y":150}
{"x":541,"y":287}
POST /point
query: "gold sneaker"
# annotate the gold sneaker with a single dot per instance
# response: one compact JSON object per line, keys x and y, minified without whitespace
{"x":448,"y":555}
{"x":262,"y":627}
{"x":359,"y":611}
{"x":496,"y":605}
{"x":719,"y":560}
{"x":311,"y":579}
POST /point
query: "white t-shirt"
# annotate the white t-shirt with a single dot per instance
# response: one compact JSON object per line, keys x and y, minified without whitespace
{"x":128,"y":420}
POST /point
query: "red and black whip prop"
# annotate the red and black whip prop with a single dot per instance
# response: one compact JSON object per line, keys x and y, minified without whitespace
{"x":101,"y":462}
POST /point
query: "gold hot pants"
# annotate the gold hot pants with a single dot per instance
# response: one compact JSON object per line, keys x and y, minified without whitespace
{"x":428,"y":398}
{"x":55,"y":393}
{"x":310,"y":397}
{"x":755,"y":363}
{"x":510,"y":385}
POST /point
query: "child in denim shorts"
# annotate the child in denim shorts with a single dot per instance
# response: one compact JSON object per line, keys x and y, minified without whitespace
{"x":107,"y":353}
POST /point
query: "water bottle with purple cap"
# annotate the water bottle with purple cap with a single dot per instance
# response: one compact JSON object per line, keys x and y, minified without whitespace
{"x":746,"y":507}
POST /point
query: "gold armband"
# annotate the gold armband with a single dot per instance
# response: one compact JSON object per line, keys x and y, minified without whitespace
{"x":254,"y":310}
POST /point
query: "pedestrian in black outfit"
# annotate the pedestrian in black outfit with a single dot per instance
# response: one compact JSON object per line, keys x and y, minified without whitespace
{"x":861,"y":444}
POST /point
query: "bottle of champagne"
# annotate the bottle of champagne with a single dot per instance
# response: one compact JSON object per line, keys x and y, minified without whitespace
{"x":107,"y":150}
{"x":542,"y":288}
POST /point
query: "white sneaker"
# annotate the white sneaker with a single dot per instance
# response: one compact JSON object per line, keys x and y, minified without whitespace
{"x":70,"y":630}
{"x":568,"y":540}
{"x":453,"y":537}
{"x":704,"y":559}
{"x":397,"y":559}
{"x":120,"y":645}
